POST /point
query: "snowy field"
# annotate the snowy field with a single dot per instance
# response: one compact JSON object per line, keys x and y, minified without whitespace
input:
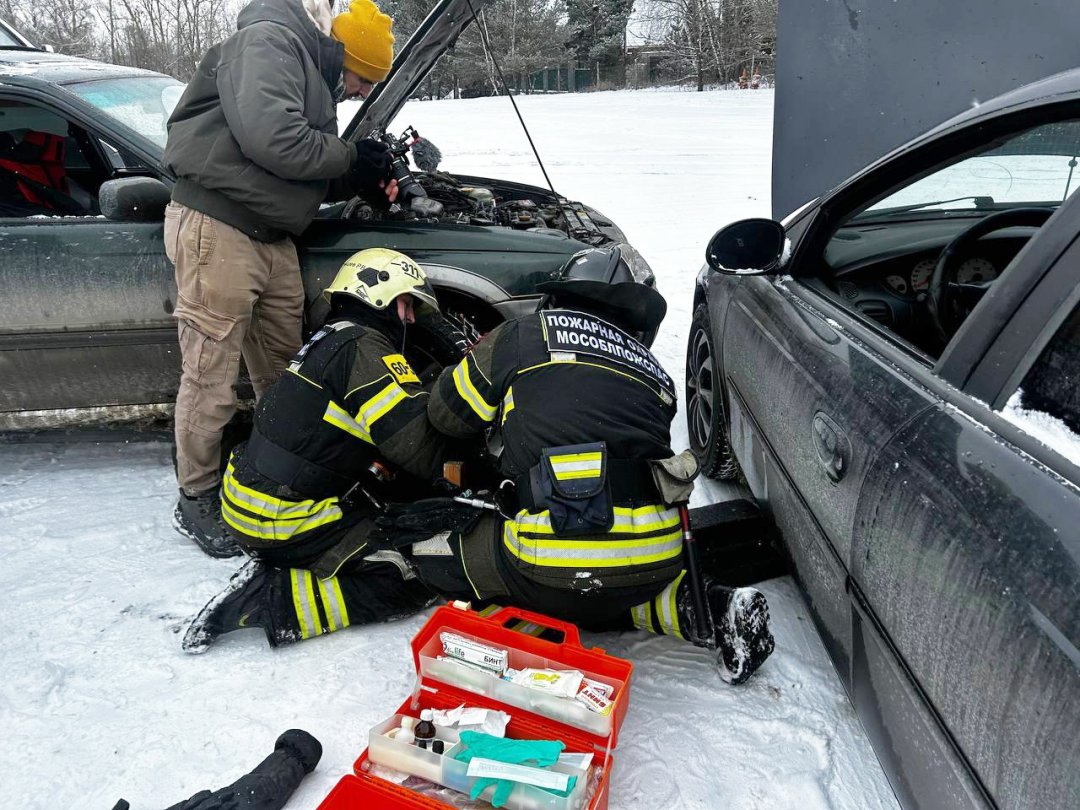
{"x":97,"y":701}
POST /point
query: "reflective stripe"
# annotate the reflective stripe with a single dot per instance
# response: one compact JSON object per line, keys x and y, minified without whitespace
{"x":577,"y":465}
{"x":339,"y":418}
{"x":508,"y":404}
{"x":570,"y":359}
{"x":295,"y":372}
{"x":667,"y":610}
{"x":636,"y":521}
{"x":640,"y":615}
{"x":307,"y":614}
{"x":276,"y":529}
{"x":268,"y":506}
{"x":337,"y":615}
{"x":603,"y":551}
{"x":379,"y":405}
{"x":467,"y":391}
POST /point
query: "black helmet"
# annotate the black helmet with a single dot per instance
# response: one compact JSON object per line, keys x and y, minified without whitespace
{"x":632,"y":307}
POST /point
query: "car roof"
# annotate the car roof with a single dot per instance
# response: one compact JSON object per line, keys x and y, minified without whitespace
{"x":58,"y":68}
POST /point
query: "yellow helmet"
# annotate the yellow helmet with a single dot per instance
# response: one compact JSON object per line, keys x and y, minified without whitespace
{"x":377,"y":276}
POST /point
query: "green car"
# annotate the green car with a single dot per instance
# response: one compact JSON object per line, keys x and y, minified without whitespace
{"x":87,"y":294}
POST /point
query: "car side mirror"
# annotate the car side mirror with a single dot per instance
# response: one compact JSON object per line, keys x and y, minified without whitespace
{"x":134,"y":199}
{"x":749,"y":247}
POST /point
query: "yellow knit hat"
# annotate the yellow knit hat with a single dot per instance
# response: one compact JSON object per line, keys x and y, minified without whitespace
{"x":369,"y":44}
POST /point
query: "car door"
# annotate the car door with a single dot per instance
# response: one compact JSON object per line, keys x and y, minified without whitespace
{"x":966,"y":560}
{"x":810,"y":405}
{"x":796,"y":348}
{"x":85,"y":319}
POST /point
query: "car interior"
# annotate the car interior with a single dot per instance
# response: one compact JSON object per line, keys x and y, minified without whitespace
{"x":48,"y":166}
{"x":918,"y":258}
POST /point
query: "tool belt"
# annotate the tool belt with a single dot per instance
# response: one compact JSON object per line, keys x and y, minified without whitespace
{"x":578,"y":486}
{"x":298,"y":473}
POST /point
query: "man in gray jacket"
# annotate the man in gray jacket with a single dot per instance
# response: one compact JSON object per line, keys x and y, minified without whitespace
{"x":254,"y":146}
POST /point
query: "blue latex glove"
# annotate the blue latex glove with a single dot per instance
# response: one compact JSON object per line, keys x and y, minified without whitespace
{"x":538,"y":753}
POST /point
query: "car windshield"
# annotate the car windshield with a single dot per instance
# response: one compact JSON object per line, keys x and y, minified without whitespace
{"x":1037,"y":166}
{"x":143,"y":103}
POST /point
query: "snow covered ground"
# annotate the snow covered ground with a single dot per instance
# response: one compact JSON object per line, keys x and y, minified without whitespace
{"x":97,"y":701}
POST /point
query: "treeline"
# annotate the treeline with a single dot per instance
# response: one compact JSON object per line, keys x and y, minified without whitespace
{"x":540,"y":45}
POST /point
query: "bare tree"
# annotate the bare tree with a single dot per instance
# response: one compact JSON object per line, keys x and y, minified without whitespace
{"x":712,"y":41}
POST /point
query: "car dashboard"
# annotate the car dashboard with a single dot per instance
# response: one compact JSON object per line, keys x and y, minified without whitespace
{"x":883,"y":270}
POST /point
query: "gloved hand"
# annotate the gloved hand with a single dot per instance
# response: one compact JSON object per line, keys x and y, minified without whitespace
{"x":371,"y":171}
{"x":538,"y":753}
{"x":403,"y":524}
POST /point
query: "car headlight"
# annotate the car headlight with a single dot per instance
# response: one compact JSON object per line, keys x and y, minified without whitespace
{"x":639,"y":268}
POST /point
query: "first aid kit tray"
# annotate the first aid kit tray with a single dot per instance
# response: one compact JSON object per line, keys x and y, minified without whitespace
{"x":445,"y":683}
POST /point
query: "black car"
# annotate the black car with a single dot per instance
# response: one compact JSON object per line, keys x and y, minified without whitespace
{"x":86,"y":292}
{"x":895,"y":371}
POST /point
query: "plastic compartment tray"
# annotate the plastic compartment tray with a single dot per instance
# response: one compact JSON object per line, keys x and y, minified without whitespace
{"x":560,"y":709}
{"x":448,"y":772}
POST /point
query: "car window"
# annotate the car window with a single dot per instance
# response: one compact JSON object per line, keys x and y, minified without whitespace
{"x":879,"y":260}
{"x":7,"y":40}
{"x":122,"y":159}
{"x":143,"y":103}
{"x":1033,"y":167}
{"x":1047,"y":403}
{"x":44,"y":167}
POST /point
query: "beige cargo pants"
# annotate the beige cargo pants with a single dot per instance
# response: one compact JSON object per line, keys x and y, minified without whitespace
{"x":235,"y":296}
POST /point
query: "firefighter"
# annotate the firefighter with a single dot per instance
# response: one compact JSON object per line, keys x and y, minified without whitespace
{"x":348,"y":414}
{"x":581,"y":411}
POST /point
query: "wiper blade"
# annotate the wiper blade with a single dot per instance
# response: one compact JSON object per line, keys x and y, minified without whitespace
{"x":979,"y":200}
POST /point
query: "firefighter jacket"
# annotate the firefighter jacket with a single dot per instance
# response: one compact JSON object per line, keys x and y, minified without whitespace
{"x":347,"y":399}
{"x":551,"y":386}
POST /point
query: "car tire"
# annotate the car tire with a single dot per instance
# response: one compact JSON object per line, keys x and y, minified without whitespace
{"x":704,"y":402}
{"x":433,"y":344}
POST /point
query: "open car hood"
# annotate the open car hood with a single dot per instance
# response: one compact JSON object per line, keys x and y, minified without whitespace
{"x":434,"y":37}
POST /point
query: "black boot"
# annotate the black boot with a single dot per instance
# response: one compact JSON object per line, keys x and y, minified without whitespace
{"x":740,"y":620}
{"x":198,"y":517}
{"x":245,"y":602}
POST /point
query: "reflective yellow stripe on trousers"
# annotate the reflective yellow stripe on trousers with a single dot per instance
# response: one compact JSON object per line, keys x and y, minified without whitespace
{"x":265,"y":505}
{"x":307,"y":612}
{"x":273,"y":529}
{"x":337,"y":615}
{"x":612,"y":550}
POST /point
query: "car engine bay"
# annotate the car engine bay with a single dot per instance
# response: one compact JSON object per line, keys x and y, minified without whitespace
{"x":429,"y":195}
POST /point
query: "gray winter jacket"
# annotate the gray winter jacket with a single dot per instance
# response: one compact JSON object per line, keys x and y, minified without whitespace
{"x":253,"y":140}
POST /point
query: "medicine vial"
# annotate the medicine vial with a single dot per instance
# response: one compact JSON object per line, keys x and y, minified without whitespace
{"x":425,"y":729}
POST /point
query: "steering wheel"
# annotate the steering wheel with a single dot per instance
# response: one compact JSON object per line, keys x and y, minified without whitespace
{"x":949,"y":301}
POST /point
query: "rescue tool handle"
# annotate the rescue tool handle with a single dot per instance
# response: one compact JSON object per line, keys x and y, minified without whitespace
{"x":569,"y":631}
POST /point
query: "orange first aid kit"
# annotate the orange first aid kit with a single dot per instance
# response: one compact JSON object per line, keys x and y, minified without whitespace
{"x":446,"y":679}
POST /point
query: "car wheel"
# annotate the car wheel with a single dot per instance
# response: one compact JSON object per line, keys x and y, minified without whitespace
{"x":433,"y":344}
{"x":704,"y":402}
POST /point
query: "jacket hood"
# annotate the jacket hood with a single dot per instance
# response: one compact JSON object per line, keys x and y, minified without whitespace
{"x":289,"y":13}
{"x":327,"y":53}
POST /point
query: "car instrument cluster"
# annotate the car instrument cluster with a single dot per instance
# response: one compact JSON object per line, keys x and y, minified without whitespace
{"x":975,"y":269}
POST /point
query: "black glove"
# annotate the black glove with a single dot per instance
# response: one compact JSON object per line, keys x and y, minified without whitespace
{"x":406,"y":523}
{"x":372,"y":166}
